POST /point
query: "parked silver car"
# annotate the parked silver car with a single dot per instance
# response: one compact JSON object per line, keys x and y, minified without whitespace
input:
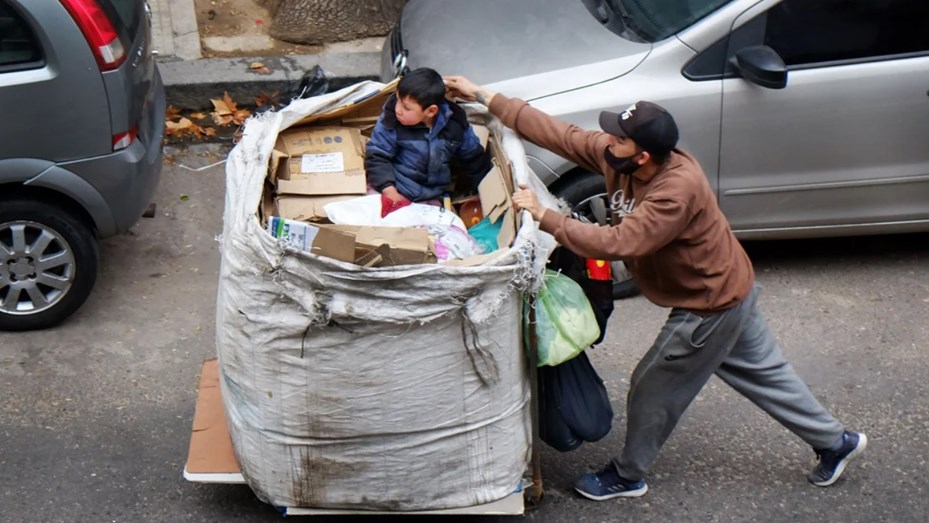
{"x":810,"y":117}
{"x":80,"y":146}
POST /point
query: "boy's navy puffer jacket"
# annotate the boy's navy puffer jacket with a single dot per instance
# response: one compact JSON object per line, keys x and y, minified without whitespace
{"x":417,"y":159}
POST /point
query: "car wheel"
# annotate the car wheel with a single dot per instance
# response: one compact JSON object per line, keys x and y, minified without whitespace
{"x":48,"y":264}
{"x":586,"y":193}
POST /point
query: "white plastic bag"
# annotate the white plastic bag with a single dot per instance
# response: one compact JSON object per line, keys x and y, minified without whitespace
{"x":366,"y":210}
{"x":453,"y":242}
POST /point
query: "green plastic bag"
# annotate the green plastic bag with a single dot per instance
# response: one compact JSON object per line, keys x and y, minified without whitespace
{"x":565,"y":323}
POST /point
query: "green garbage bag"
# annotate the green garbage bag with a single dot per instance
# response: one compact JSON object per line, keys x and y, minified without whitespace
{"x":565,"y":324}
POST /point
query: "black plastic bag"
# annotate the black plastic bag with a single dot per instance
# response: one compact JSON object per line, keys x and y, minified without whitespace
{"x":313,"y":83}
{"x":573,"y":404}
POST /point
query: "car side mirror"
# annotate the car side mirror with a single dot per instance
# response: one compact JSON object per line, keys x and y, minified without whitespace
{"x":761,"y":65}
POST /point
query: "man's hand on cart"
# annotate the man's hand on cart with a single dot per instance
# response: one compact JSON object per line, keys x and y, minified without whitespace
{"x":524,"y":198}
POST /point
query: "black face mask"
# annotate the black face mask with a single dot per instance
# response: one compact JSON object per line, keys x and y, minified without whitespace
{"x":623,"y":165}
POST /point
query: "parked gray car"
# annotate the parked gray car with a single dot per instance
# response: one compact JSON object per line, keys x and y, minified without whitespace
{"x":810,"y":117}
{"x":80,"y":146}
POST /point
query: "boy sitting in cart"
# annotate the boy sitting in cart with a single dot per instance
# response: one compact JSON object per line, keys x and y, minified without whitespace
{"x":418,"y":134}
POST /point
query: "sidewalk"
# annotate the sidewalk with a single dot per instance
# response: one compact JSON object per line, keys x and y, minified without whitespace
{"x":191,"y":80}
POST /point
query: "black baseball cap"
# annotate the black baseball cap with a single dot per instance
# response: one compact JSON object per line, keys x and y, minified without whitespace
{"x":649,"y":125}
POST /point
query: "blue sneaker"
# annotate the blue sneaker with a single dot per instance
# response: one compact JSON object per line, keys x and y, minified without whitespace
{"x":608,"y":484}
{"x":833,"y":462}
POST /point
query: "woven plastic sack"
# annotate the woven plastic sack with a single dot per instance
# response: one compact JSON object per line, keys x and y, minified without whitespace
{"x":565,"y":323}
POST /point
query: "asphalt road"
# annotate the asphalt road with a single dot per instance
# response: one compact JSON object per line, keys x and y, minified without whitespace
{"x":95,"y":415}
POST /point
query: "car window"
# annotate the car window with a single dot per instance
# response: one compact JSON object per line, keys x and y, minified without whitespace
{"x":806,"y":32}
{"x":19,"y":48}
{"x":651,"y":20}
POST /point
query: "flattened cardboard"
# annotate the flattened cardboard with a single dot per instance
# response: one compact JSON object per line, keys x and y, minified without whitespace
{"x":274,"y":164}
{"x":508,"y":229}
{"x":307,"y":208}
{"x":495,"y":198}
{"x":316,"y":240}
{"x":210,"y":448}
{"x":321,"y":161}
{"x":365,"y":106}
{"x":407,"y":245}
{"x":500,"y":159}
{"x":373,"y":258}
{"x":354,"y":244}
{"x":483,"y":134}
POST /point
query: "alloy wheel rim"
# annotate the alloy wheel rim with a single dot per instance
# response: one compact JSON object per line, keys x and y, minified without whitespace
{"x":37,"y":268}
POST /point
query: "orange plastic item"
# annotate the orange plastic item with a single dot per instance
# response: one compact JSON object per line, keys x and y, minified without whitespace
{"x":599,"y":269}
{"x":471,"y":213}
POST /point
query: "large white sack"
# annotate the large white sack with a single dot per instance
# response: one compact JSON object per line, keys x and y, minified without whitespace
{"x":392,"y":388}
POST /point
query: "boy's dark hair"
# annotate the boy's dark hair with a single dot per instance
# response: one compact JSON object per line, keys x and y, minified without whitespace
{"x":423,"y":85}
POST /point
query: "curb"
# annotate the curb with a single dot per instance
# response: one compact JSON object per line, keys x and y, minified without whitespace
{"x":190,"y":84}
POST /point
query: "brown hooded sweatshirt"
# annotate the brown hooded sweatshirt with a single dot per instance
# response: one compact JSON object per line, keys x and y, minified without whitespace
{"x":668,"y":229}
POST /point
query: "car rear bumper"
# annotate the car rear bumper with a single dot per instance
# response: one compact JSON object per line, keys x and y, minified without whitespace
{"x":126,"y":180}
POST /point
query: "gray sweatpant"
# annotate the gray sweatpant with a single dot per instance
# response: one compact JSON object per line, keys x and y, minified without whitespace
{"x":737,"y":346}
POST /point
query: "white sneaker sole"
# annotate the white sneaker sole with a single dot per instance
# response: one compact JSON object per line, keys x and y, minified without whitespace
{"x":862,"y":444}
{"x":624,"y":494}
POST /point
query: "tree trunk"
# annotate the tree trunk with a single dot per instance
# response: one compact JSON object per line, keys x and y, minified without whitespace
{"x":323,"y":21}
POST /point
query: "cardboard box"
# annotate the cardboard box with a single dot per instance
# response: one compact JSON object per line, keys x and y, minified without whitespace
{"x":368,"y":246}
{"x":405,"y":245}
{"x":320,"y":161}
{"x":307,"y":208}
{"x":316,"y":240}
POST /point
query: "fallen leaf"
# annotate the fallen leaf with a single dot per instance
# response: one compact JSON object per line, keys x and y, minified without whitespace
{"x":184,"y":197}
{"x":240,"y":116}
{"x":172,"y":112}
{"x":256,"y":65}
{"x":229,"y":101}
{"x":197,"y":116}
{"x":222,"y":120}
{"x":224,"y":106}
{"x":264,"y":99}
{"x":263,"y":70}
{"x":178,"y":128}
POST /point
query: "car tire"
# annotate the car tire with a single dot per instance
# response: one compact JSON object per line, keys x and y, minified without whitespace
{"x":48,"y":264}
{"x":579,"y":187}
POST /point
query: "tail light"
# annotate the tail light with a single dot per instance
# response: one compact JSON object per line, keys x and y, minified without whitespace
{"x":123,"y":140}
{"x":98,"y":31}
{"x":599,"y":269}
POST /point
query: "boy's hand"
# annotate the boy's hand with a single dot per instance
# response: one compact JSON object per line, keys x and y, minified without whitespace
{"x":526,"y":199}
{"x":392,"y":193}
{"x":391,"y":200}
{"x":461,"y":87}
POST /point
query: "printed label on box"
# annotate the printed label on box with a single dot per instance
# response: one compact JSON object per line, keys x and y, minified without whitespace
{"x":322,"y":163}
{"x":300,"y":235}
